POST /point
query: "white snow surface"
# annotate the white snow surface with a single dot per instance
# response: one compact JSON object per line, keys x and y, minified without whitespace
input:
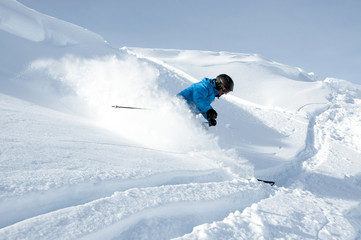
{"x":73,"y":167}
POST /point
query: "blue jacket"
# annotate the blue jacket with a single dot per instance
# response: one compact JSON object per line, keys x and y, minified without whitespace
{"x":201,"y":94}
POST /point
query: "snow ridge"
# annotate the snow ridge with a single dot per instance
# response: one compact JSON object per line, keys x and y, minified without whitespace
{"x":27,"y":23}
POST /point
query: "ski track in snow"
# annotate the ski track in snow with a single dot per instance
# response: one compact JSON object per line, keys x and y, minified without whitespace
{"x":124,"y":174}
{"x":119,"y":214}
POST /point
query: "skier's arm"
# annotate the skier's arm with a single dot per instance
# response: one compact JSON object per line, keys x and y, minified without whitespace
{"x":199,"y":96}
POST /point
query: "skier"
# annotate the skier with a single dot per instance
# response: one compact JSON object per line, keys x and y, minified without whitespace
{"x":200,"y":95}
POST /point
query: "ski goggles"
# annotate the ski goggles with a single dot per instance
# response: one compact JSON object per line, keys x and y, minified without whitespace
{"x":225,"y":91}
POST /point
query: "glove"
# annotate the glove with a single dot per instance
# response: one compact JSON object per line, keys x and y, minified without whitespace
{"x":211,"y":114}
{"x":212,"y":122}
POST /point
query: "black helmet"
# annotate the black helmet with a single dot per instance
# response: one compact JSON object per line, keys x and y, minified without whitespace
{"x":224,"y":81}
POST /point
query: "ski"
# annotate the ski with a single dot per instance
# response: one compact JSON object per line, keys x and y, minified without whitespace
{"x":268,"y":182}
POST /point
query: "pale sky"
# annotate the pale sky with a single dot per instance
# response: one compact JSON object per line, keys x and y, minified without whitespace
{"x":320,"y":36}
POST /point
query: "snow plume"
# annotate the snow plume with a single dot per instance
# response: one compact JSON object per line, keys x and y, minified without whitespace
{"x":92,"y":86}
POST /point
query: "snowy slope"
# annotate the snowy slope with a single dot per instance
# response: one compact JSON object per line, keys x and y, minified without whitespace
{"x":72,"y":167}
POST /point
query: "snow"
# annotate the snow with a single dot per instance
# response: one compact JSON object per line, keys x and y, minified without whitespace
{"x":73,"y":167}
{"x":310,"y":218}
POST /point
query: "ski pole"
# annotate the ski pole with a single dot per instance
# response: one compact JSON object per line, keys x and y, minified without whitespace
{"x":126,"y":107}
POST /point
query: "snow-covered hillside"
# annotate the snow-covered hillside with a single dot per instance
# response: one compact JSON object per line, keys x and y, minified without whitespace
{"x":73,"y":167}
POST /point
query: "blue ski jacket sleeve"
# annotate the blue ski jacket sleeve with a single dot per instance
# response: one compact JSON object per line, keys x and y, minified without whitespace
{"x":202,"y":94}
